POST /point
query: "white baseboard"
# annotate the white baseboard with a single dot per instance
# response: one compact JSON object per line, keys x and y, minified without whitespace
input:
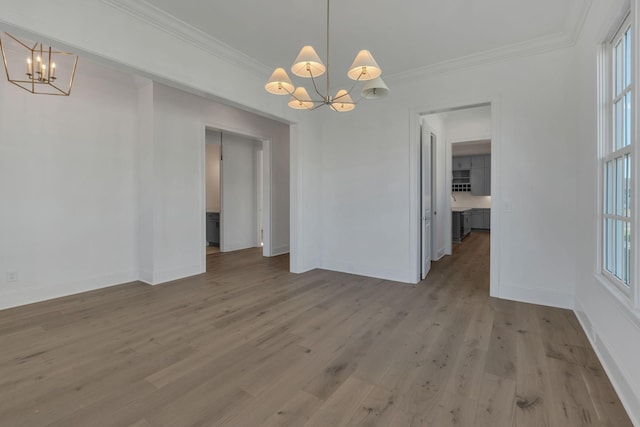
{"x":440,"y":254}
{"x":619,"y":381}
{"x":547,"y":297}
{"x":236,"y":246}
{"x":168,"y":275}
{"x":395,"y":275}
{"x":29,"y":295}
{"x":280,"y":250}
{"x":146,"y":276}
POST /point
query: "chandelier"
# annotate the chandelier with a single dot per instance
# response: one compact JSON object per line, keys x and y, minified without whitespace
{"x":37,"y":68}
{"x":309,"y":65}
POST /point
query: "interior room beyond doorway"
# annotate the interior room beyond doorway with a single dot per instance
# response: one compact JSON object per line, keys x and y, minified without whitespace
{"x":234,"y":189}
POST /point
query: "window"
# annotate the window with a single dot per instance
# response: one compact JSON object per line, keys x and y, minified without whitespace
{"x":617,"y":160}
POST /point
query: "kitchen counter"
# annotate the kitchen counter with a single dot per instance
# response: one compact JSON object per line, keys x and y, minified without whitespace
{"x":457,"y":209}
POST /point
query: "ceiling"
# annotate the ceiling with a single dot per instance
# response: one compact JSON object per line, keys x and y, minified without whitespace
{"x":403,"y":35}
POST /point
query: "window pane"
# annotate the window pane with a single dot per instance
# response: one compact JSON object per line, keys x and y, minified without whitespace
{"x":627,"y":119}
{"x":626,"y":262}
{"x":618,"y":124}
{"x":608,"y":245}
{"x":617,"y":168}
{"x":618,"y":67}
{"x":627,"y":187}
{"x":617,"y":195}
{"x":618,"y":249}
{"x":608,"y":187}
{"x":627,"y":58}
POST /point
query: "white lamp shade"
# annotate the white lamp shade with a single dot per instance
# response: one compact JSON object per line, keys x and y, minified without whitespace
{"x":364,"y":67}
{"x":279,"y":83}
{"x":342,"y":102}
{"x":300,"y":100}
{"x":308,"y":63}
{"x":375,"y":88}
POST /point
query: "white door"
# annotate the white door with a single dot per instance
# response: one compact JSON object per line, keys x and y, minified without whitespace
{"x":425,"y":202}
{"x":239,"y":193}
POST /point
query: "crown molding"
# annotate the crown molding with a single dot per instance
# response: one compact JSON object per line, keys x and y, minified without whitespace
{"x":149,"y":14}
{"x":532,"y":47}
{"x":577,"y":18}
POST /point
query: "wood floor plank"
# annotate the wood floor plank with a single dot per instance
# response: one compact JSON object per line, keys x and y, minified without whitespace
{"x":250,"y":344}
{"x":496,"y":403}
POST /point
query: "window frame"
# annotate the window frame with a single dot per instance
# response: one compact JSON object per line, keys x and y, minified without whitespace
{"x":609,"y":153}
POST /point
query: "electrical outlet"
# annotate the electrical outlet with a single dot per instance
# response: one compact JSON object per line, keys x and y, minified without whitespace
{"x":12,"y":276}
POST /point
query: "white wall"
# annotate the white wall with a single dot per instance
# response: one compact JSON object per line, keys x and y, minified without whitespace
{"x":212,"y":170}
{"x":68,"y":216}
{"x":469,"y":124}
{"x":179,"y":126}
{"x":239,"y":193}
{"x":612,"y":326}
{"x":103,"y":187}
{"x":366,"y":181}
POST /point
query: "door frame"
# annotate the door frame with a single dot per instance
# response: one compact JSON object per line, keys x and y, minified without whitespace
{"x":415,"y":122}
{"x":267,"y":248}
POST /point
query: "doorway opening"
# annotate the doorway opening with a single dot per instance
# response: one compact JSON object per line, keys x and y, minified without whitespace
{"x":460,"y":165}
{"x":235,"y":188}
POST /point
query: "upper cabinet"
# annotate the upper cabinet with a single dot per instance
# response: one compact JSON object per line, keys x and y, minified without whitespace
{"x":479,"y":168}
{"x":461,"y":163}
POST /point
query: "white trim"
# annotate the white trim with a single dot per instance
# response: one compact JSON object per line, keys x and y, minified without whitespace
{"x":415,"y":121}
{"x":280,"y":250}
{"x":540,"y":296}
{"x":624,"y":303}
{"x":239,"y":245}
{"x":172,"y":274}
{"x":392,"y":274}
{"x":576,"y":19}
{"x":158,"y":18}
{"x":150,"y":14}
{"x":145,"y":276}
{"x":486,"y":137}
{"x":606,"y":151}
{"x":619,"y":381}
{"x":518,"y":50}
{"x":267,"y":206}
{"x":48,"y":291}
{"x":267,"y":249}
{"x":296,"y":262}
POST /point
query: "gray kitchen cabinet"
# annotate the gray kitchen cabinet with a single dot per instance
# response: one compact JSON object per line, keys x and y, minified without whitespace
{"x":461,"y":163}
{"x":478,"y":171}
{"x":487,"y":175}
{"x":481,"y":219}
{"x":487,"y":181}
{"x":460,"y":225}
{"x":477,"y":162}
{"x":481,"y":176}
{"x":477,"y":218}
{"x":477,"y":182}
{"x":213,"y":228}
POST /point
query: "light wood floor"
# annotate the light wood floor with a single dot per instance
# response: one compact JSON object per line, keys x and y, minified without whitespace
{"x":213,"y":250}
{"x":249,"y":344}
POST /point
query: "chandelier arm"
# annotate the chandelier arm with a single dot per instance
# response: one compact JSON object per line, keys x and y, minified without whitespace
{"x":352,"y":87}
{"x":315,"y":107}
{"x":315,"y":87}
